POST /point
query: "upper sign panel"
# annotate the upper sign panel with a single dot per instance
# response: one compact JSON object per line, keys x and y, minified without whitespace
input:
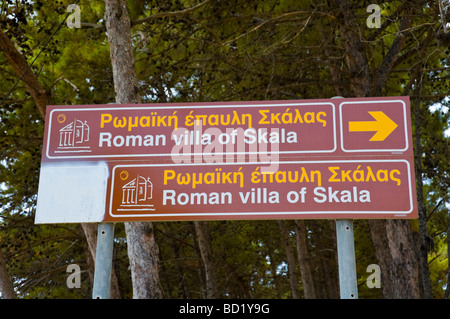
{"x":155,"y":130}
{"x":286,"y":128}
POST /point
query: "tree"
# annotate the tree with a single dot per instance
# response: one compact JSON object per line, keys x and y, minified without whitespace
{"x":6,"y":286}
{"x":290,"y":259}
{"x":187,"y":51}
{"x":204,"y":243}
{"x":142,"y":247}
{"x":304,"y":259}
{"x":40,"y":96}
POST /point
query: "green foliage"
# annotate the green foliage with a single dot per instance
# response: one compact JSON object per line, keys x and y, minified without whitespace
{"x":222,"y":51}
{"x":38,"y":257}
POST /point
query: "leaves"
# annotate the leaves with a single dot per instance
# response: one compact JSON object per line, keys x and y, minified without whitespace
{"x":219,"y":51}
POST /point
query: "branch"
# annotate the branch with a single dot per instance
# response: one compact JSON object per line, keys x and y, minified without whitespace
{"x":423,"y":70}
{"x":437,"y":206}
{"x":356,"y":57}
{"x":389,"y":59}
{"x":152,"y":17}
{"x":67,"y":81}
{"x":92,"y":25}
{"x":271,"y":20}
{"x":387,"y":21}
{"x":20,"y":65}
{"x":169,"y":14}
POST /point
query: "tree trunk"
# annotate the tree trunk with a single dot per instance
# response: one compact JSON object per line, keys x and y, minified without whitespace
{"x":290,"y":259}
{"x":304,"y":259}
{"x":326,"y":281}
{"x":404,"y":268}
{"x":237,"y":283}
{"x":394,"y":247}
{"x":204,"y":244}
{"x":198,"y":256}
{"x":118,"y":28}
{"x":447,"y":289}
{"x":142,"y":246}
{"x":143,"y":253}
{"x":423,"y":234}
{"x":356,"y":58}
{"x":6,"y":287}
{"x":381,"y":248}
{"x":20,"y":65}
{"x":273,"y":270}
{"x":179,"y":257}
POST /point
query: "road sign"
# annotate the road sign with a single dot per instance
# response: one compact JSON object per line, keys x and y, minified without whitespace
{"x":333,"y":158}
{"x":124,"y":131}
{"x":309,"y":189}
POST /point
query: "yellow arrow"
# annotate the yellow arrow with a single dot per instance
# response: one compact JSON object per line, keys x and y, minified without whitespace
{"x":383,"y":126}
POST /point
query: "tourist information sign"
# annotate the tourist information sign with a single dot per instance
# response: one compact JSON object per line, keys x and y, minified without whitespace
{"x":326,"y":158}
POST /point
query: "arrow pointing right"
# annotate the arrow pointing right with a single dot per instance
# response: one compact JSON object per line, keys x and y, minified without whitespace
{"x":383,"y":126}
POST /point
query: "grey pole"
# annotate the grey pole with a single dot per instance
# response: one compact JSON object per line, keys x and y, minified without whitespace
{"x":348,"y":284}
{"x":103,"y":261}
{"x":346,"y":259}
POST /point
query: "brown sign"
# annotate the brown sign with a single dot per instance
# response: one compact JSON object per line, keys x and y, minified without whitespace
{"x":157,"y":131}
{"x":329,"y":158}
{"x":310,"y":189}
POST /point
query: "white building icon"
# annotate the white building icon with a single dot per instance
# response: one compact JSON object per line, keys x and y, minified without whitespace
{"x":73,"y":136}
{"x":137,"y":191}
{"x":136,"y":194}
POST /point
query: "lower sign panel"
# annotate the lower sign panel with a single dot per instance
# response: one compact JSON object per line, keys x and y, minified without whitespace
{"x":294,"y":190}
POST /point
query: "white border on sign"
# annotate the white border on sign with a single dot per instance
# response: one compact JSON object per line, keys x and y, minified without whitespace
{"x":374,"y":150}
{"x":337,"y":213}
{"x":189,"y":107}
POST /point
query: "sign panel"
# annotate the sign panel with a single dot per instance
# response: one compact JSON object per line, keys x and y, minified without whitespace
{"x":309,"y":189}
{"x":330,"y":158}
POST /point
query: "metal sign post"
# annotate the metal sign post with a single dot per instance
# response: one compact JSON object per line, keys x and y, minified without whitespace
{"x":103,"y":261}
{"x":346,"y":256}
{"x":346,"y":259}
